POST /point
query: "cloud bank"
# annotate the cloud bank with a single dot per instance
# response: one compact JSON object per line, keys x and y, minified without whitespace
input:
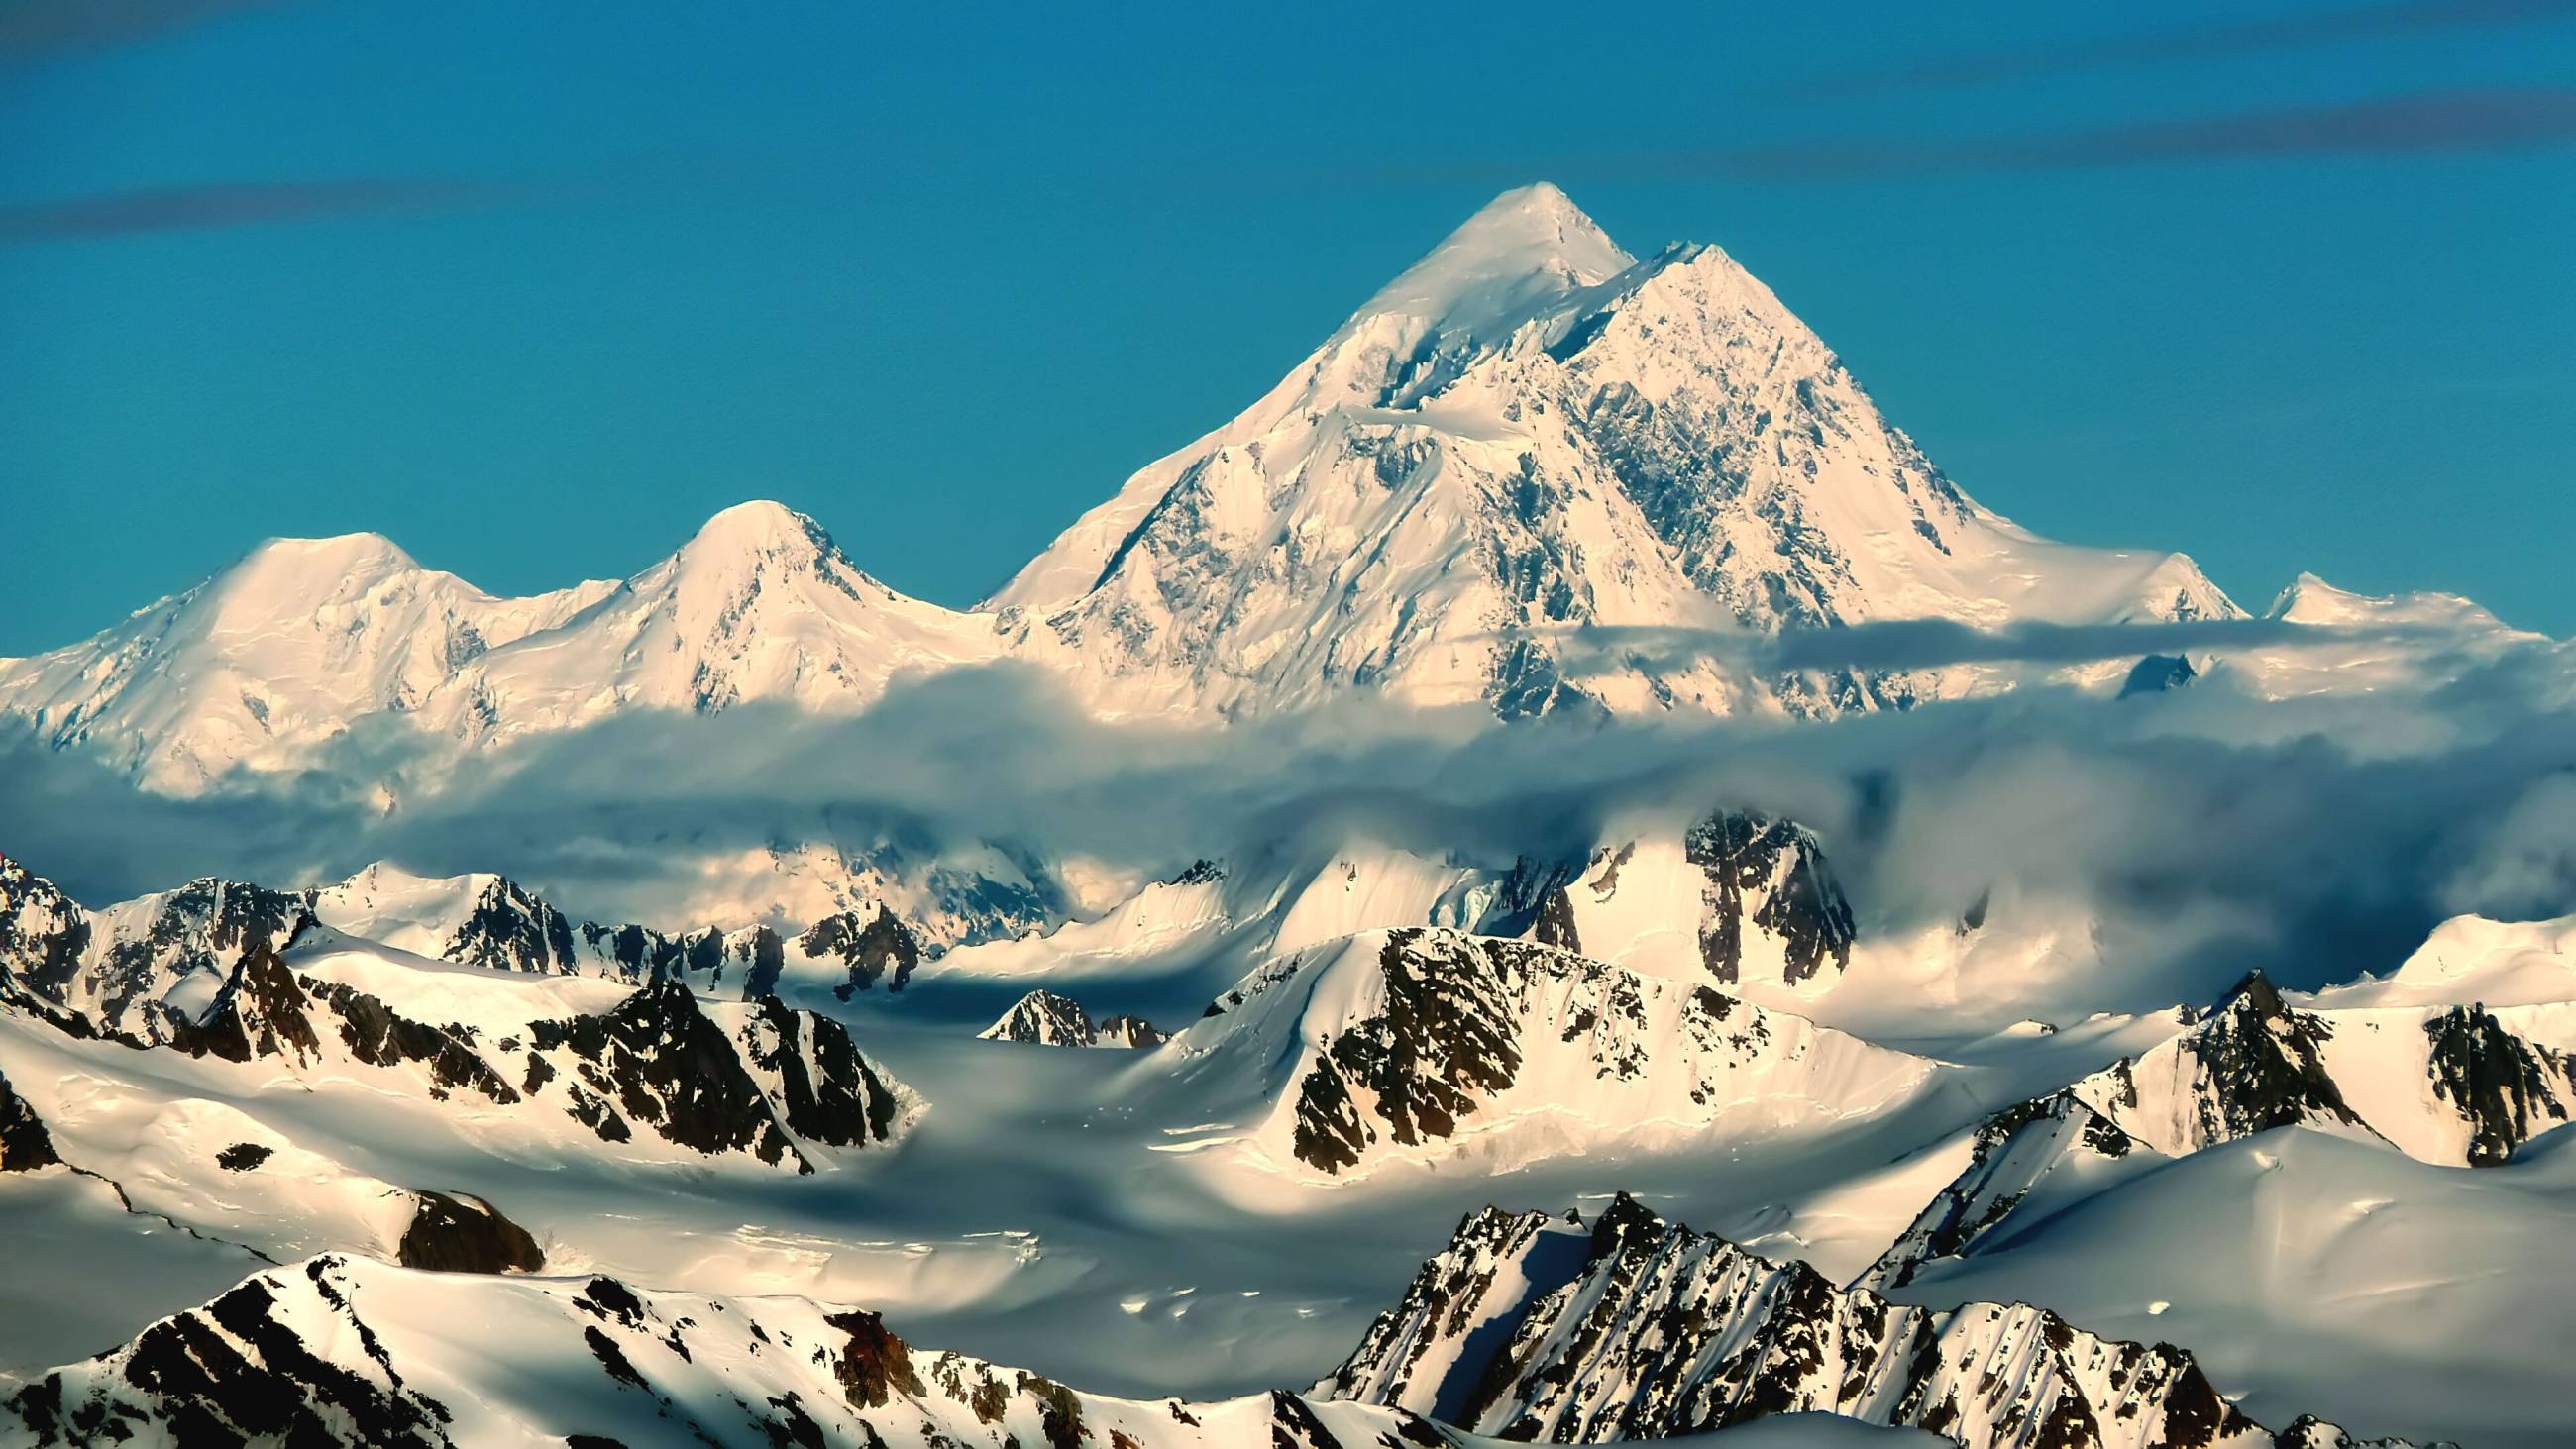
{"x":2331,"y":831}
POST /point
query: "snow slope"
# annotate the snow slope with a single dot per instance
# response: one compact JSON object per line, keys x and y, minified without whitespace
{"x":2313,"y":1273}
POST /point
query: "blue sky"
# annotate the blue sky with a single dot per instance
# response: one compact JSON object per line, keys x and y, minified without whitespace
{"x":533,"y":288}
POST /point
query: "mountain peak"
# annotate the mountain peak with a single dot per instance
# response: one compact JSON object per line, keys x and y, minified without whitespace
{"x":2311,"y":600}
{"x":1524,"y":247}
{"x":338,"y":556}
{"x":758,"y":523}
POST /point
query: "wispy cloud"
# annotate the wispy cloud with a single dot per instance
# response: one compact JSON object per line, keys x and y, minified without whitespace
{"x":33,"y":29}
{"x":2426,"y":123}
{"x":1924,"y":644}
{"x":2259,"y":36}
{"x":2445,"y":121}
{"x":198,"y":208}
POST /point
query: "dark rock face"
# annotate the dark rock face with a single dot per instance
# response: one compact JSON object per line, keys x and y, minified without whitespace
{"x":1043,"y":1018}
{"x":1125,"y":1030}
{"x":465,"y":1234}
{"x":25,"y":1145}
{"x":512,"y":929}
{"x":234,"y":1372}
{"x":1447,"y":1037}
{"x":262,"y":1011}
{"x":827,"y":1091}
{"x":203,"y":926}
{"x":243,"y":1157}
{"x":1770,"y":874}
{"x":659,"y":1059}
{"x":1633,"y":1328}
{"x":1201,"y":871}
{"x":2158,"y":673}
{"x":875,"y":947}
{"x":115,"y":967}
{"x":2262,"y":1065}
{"x":1531,"y":902}
{"x":2507,"y":1088}
{"x":43,"y":933}
{"x":741,"y":965}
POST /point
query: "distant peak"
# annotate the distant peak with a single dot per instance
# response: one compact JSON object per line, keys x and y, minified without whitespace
{"x":283,"y":576}
{"x":759,"y":526}
{"x":386,"y":874}
{"x":756,"y":515}
{"x":1526,"y":244}
{"x":2311,"y":600}
{"x":345,"y":552}
{"x":1539,"y":211}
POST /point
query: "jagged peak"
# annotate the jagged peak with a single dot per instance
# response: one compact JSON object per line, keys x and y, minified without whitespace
{"x":2253,"y":995}
{"x":1524,"y":247}
{"x":755,"y":539}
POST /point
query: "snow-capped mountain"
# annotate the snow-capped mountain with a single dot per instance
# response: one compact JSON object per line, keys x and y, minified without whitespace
{"x":147,"y":965}
{"x":1427,"y":1045}
{"x":482,"y":919}
{"x":289,"y":646}
{"x":1532,"y":433}
{"x":760,"y":605}
{"x":777,"y":1085}
{"x":304,"y":638}
{"x":2393,"y":643}
{"x":345,"y":1351}
{"x":1547,"y":1329}
{"x":1525,"y":474}
{"x":2460,"y":1085}
{"x":1042,"y":1018}
{"x":1737,"y":896}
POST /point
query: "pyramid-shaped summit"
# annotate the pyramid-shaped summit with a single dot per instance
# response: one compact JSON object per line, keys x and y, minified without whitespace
{"x":1521,"y":452}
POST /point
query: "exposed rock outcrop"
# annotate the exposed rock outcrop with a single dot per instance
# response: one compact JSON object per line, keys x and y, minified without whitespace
{"x":1044,"y":1018}
{"x":348,"y":1351}
{"x":1548,"y":1329}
